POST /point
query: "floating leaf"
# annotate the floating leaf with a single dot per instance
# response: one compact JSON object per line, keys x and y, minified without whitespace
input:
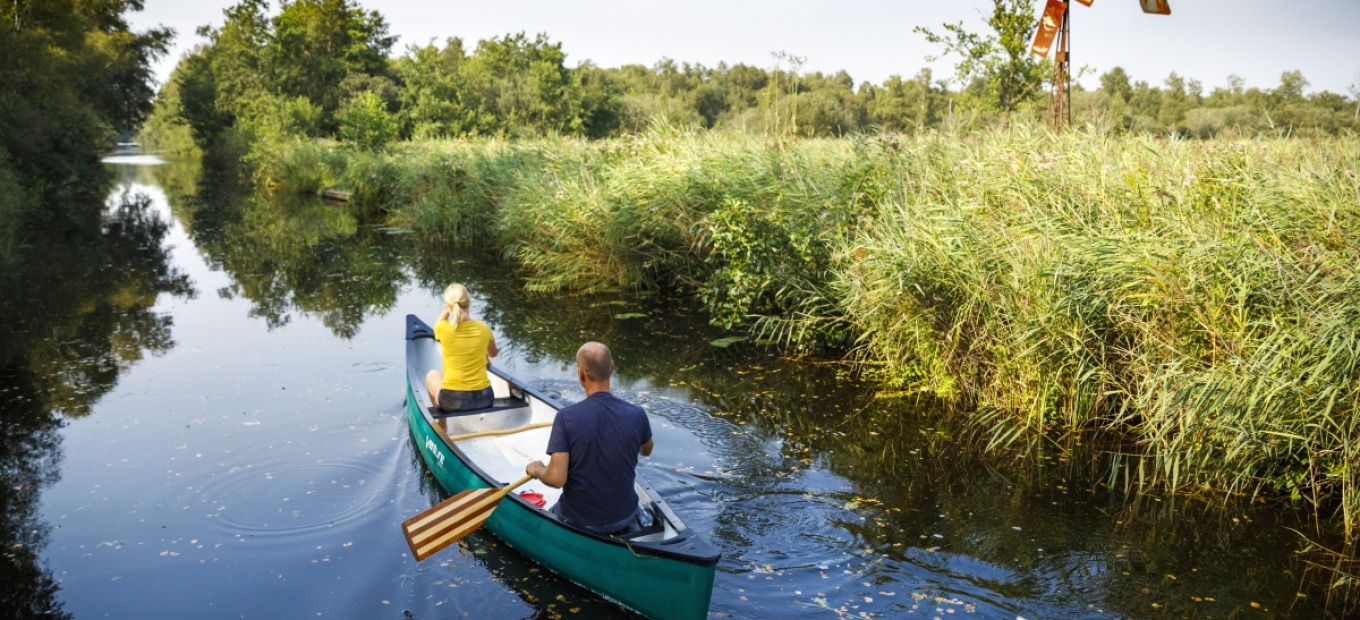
{"x":630,"y":315}
{"x":727,"y":342}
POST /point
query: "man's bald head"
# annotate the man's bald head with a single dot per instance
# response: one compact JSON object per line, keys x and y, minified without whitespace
{"x":595,"y":361}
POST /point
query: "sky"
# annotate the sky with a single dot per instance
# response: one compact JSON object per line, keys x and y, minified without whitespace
{"x":1204,"y":40}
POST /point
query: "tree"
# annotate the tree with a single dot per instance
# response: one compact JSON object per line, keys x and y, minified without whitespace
{"x":258,"y":77}
{"x":316,"y":44}
{"x":225,"y":78}
{"x":365,"y":123}
{"x":601,"y":105}
{"x":907,"y":105}
{"x":1001,"y":61}
{"x":516,"y":85}
{"x":1355,"y":94}
{"x":1115,"y":82}
{"x":73,"y":75}
{"x":1175,"y":102}
{"x":431,"y":93}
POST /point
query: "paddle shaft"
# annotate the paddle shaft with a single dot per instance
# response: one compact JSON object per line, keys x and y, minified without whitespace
{"x":452,"y":519}
{"x":506,"y":431}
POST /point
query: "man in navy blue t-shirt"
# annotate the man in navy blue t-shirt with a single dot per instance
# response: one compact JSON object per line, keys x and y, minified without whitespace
{"x":593,"y":450}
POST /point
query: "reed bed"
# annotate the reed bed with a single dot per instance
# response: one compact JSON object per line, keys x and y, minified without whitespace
{"x":1200,"y":299}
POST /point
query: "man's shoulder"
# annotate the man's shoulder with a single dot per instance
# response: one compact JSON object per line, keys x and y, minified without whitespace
{"x":592,"y":402}
{"x":597,"y":402}
{"x":616,"y":404}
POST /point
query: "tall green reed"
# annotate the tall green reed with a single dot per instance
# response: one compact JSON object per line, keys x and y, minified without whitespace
{"x":1199,"y":297}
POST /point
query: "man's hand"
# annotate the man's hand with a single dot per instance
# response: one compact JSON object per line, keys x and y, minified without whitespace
{"x":554,"y":474}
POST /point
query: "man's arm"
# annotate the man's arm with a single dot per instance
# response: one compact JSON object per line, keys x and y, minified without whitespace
{"x":646,"y":448}
{"x":554,"y":474}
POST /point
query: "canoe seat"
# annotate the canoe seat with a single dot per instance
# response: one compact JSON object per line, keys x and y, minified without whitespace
{"x":500,"y":404}
{"x":635,"y":530}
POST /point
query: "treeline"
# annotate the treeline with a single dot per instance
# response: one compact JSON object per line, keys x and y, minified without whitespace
{"x":323,"y":68}
{"x":73,"y":76}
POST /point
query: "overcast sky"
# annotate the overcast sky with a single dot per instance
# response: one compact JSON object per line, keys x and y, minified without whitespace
{"x":1205,"y":40}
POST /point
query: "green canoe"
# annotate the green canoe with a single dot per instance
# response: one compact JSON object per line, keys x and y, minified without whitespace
{"x":664,"y":571}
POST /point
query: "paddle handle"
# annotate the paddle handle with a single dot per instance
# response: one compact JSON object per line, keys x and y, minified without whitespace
{"x":504,"y":431}
{"x":512,"y":486}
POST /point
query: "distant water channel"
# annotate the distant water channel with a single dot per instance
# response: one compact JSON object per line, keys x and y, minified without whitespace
{"x":204,"y":418}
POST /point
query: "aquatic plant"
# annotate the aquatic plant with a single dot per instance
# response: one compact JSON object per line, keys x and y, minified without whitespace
{"x":1200,"y":298}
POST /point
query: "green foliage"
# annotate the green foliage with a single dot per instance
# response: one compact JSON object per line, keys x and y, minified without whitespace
{"x":906,"y":106}
{"x":15,"y":207}
{"x":365,"y":123}
{"x":73,"y":75}
{"x":261,"y":79}
{"x":1201,"y":297}
{"x":746,"y":258}
{"x":514,"y":84}
{"x":1002,"y":61}
{"x":431,"y":104}
{"x":315,"y":45}
{"x":165,"y":130}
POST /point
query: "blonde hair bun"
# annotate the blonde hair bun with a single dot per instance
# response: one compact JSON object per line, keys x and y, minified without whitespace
{"x":456,"y":295}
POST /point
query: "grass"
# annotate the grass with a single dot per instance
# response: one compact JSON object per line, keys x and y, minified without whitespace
{"x":1201,"y":298}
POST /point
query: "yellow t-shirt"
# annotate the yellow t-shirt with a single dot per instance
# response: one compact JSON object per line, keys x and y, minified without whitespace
{"x":464,"y":351}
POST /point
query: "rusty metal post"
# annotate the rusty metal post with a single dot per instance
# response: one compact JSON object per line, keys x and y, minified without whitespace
{"x":1059,"y":95}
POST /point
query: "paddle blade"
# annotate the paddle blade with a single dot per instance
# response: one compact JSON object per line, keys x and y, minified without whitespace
{"x":448,"y":521}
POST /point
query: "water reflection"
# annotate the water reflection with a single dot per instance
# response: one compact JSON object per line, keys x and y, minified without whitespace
{"x":302,"y":255}
{"x":29,"y":457}
{"x":73,"y":319}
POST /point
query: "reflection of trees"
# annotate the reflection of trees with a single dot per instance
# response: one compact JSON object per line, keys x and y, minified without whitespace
{"x":76,"y":316}
{"x":81,"y":312}
{"x":28,"y":458}
{"x":305,"y":255}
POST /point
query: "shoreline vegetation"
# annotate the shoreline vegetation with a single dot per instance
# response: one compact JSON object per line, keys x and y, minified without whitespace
{"x":1198,"y":299}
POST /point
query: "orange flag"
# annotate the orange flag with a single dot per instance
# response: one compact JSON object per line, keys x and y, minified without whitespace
{"x":1048,"y":27}
{"x":1157,"y":7}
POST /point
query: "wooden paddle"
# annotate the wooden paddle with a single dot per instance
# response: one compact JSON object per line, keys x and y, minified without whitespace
{"x":505,"y":431}
{"x":450,"y":520}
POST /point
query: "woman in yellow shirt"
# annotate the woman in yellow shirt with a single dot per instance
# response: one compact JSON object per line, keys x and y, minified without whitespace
{"x":467,"y":346}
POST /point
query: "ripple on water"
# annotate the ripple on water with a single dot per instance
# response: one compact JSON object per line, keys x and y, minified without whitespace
{"x":294,"y":489}
{"x":293,"y":499}
{"x":369,"y":367}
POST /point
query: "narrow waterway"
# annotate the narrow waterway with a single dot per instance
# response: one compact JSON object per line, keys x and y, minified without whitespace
{"x":204,"y":417}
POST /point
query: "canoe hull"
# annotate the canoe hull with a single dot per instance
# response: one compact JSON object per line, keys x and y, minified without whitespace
{"x":671,"y":579}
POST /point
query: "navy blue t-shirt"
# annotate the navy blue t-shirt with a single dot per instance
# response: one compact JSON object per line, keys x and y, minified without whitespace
{"x":602,"y":435}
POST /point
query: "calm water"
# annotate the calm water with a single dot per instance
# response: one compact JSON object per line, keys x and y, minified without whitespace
{"x":204,"y":417}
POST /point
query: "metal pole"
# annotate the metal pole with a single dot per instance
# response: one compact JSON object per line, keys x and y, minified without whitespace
{"x":1060,"y":112}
